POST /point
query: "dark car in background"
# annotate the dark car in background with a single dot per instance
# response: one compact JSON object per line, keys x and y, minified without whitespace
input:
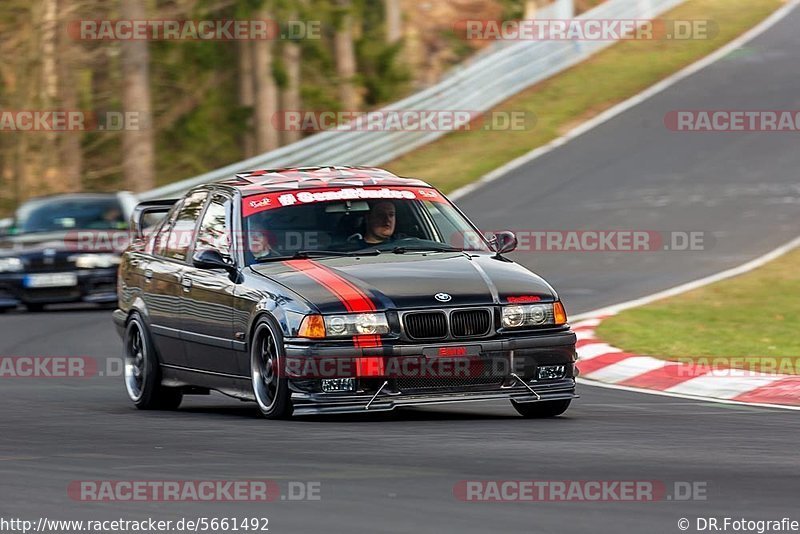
{"x":333,"y":290}
{"x":64,"y":248}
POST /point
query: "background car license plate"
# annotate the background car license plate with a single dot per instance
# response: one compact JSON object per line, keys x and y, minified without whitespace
{"x":51,"y":280}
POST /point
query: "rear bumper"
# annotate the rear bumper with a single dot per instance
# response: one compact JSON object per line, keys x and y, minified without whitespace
{"x":93,"y":285}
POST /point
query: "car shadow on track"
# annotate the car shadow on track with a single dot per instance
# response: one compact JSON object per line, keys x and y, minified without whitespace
{"x":399,"y":415}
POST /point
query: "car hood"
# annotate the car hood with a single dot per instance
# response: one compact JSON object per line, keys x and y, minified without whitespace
{"x":411,"y":280}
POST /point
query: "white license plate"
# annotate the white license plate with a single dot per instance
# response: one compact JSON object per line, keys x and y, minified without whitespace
{"x":51,"y":280}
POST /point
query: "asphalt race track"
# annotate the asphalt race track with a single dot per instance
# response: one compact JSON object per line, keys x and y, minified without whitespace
{"x":397,"y":472}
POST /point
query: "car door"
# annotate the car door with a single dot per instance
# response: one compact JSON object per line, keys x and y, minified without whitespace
{"x":163,"y":276}
{"x":207,"y":299}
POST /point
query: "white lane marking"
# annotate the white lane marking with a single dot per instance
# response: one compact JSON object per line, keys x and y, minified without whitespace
{"x":625,"y":369}
{"x":689,"y":286}
{"x":593,"y":350}
{"x":590,"y":322}
{"x":583,"y":335}
{"x":628,"y":104}
{"x":585,"y":382}
{"x":724,"y":387}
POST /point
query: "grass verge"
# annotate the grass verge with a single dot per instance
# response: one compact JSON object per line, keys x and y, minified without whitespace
{"x":751,"y":320}
{"x":577,"y":94}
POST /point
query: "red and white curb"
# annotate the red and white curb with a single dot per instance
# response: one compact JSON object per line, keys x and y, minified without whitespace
{"x":600,"y":362}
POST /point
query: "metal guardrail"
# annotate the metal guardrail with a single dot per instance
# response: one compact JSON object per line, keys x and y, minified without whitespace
{"x":476,"y":86}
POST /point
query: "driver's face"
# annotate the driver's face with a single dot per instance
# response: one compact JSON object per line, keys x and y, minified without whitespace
{"x":381,"y":220}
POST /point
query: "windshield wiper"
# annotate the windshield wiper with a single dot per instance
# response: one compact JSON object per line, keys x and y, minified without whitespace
{"x":305,"y":254}
{"x":301,"y":254}
{"x":424,"y":248}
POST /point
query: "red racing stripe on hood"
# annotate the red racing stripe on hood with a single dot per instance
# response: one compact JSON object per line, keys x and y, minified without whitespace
{"x":351,"y":296}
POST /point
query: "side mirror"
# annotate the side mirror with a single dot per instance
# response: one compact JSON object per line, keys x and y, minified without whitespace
{"x":210,"y":258}
{"x":504,"y":242}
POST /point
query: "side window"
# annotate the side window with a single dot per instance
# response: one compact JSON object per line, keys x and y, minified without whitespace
{"x":182,"y":233}
{"x":159,"y":242}
{"x":449,"y":228}
{"x":213,"y":231}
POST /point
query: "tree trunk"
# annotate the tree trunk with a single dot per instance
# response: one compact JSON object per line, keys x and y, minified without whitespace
{"x":71,"y":155}
{"x":290,"y":99}
{"x":49,"y":59}
{"x":246,"y":84}
{"x":138,"y":149}
{"x":533,"y":6}
{"x":346,"y":58}
{"x":266,"y":93}
{"x":394,"y":20}
{"x":48,"y":160}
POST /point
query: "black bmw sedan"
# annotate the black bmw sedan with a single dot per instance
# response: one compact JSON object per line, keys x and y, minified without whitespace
{"x":334,"y":290}
{"x":64,"y":248}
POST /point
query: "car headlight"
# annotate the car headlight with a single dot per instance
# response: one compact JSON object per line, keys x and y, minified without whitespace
{"x":356,"y":324}
{"x":95,"y":261}
{"x":533,"y":315}
{"x":10,"y":265}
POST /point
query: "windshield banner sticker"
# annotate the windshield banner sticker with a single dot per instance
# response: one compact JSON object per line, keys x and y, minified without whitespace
{"x":268,"y":201}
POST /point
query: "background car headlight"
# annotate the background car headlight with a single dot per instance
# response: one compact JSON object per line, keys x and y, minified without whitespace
{"x":10,"y":265}
{"x":95,"y":261}
{"x":532,"y":315}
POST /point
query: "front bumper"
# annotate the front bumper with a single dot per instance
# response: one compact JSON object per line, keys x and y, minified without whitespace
{"x":305,"y":404}
{"x":508,"y":370}
{"x":93,"y":285}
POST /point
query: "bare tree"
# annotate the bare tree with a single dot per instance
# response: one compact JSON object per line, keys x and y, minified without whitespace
{"x":533,"y":6}
{"x":49,"y":26}
{"x":138,"y":149}
{"x":290,"y":96}
{"x":345,"y":56}
{"x":265,"y":91}
{"x":246,"y":87}
{"x":394,"y":20}
{"x":70,"y":152}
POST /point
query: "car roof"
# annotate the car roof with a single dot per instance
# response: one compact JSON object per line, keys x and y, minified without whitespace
{"x":293,"y":178}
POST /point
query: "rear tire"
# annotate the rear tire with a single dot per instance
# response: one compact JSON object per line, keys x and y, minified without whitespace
{"x":541,"y":410}
{"x":143,"y":371}
{"x":270,"y":386}
{"x":34,"y":307}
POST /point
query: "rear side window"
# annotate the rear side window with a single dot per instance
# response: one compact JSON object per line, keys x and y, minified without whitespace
{"x":182,"y":233}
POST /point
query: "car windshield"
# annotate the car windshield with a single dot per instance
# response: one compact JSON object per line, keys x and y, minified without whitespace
{"x":354,"y":220}
{"x":60,"y":214}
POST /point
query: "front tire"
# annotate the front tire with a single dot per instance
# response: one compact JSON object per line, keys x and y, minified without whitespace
{"x":270,"y":386}
{"x":541,"y":410}
{"x":143,"y":373}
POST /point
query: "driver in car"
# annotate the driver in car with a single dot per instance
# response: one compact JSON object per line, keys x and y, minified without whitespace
{"x":379,"y":225}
